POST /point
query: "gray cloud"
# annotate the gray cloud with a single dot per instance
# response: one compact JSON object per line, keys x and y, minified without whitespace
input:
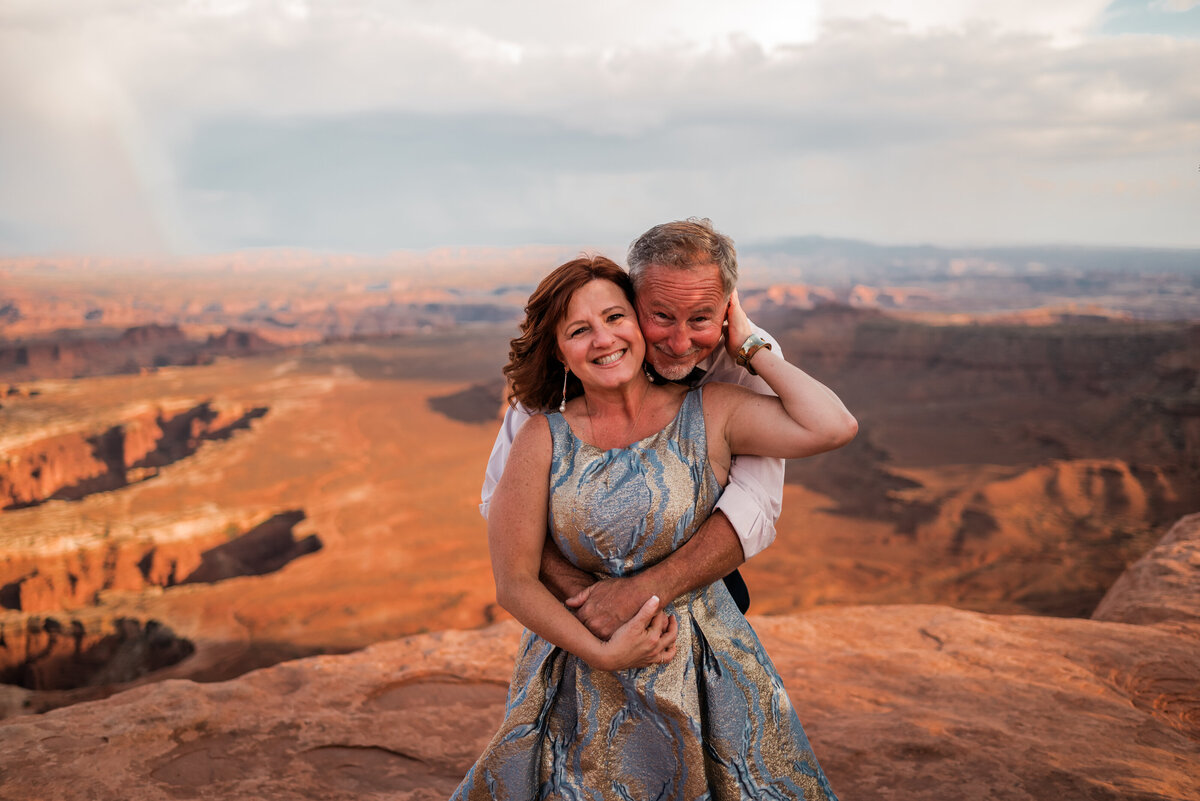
{"x":369,"y":126}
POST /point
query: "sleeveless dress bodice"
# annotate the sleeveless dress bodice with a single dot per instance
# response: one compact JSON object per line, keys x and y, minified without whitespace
{"x":618,"y":511}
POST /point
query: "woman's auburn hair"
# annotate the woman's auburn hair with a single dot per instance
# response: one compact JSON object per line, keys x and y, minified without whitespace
{"x":535,"y":368}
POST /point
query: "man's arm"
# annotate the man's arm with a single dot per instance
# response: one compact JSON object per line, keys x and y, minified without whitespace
{"x":561,"y":577}
{"x":712,"y":553}
{"x":753,"y":497}
{"x":514,"y":418}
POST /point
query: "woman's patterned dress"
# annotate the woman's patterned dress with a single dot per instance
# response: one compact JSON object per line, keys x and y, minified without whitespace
{"x":715,"y":723}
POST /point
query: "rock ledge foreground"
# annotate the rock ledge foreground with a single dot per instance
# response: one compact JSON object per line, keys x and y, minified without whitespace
{"x":901,"y":702}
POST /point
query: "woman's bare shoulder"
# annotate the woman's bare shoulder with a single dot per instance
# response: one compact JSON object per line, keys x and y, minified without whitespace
{"x":534,"y":435}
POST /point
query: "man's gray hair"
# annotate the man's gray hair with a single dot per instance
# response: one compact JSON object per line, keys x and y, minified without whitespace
{"x":683,"y":244}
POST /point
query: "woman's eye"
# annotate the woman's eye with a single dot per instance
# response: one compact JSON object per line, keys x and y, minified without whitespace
{"x":576,"y":332}
{"x":615,"y":316}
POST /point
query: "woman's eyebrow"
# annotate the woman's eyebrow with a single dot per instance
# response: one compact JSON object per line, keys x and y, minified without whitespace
{"x":603,"y":312}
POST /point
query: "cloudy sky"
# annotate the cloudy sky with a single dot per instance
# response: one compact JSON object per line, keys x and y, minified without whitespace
{"x":183,"y":126}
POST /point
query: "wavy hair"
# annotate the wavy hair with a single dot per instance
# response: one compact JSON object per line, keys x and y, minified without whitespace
{"x":535,"y":370}
{"x":684,"y":244}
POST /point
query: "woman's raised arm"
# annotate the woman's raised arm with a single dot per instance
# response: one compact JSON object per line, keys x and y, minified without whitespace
{"x":807,"y":418}
{"x":516,"y":533}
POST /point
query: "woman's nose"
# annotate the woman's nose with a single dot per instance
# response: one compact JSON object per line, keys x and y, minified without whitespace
{"x":602,"y":336}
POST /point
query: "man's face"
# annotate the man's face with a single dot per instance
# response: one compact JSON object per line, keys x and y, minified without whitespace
{"x":681,"y":312}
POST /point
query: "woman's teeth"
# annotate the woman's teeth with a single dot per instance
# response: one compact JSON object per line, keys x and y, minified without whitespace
{"x":609,"y":359}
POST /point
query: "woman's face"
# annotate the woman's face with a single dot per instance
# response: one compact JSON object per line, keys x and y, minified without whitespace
{"x":599,"y":339}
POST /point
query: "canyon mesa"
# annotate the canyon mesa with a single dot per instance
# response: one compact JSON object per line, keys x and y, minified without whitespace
{"x":218,"y":480}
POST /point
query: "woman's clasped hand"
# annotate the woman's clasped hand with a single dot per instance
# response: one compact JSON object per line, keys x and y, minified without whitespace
{"x":647,"y":639}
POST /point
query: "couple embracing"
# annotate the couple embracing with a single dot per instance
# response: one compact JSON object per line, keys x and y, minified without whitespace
{"x":640,"y":462}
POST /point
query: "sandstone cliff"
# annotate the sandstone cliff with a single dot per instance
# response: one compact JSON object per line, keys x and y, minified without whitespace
{"x":76,"y":458}
{"x":901,"y":702}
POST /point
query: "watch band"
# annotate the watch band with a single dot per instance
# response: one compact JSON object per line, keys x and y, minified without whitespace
{"x":753,"y":344}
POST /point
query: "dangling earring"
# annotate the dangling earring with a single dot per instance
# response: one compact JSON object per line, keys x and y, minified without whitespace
{"x":562,"y":406}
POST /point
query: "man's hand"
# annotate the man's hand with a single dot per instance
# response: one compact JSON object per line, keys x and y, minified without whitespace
{"x":607,"y":604}
{"x":648,"y":639}
{"x":738,"y":325}
{"x":712,"y":552}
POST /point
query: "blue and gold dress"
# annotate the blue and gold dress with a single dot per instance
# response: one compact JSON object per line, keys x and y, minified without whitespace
{"x":714,"y":723}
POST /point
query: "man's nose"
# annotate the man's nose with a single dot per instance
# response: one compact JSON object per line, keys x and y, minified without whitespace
{"x":680,"y":341}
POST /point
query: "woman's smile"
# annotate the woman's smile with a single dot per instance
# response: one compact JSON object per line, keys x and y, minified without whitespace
{"x":611,"y":358}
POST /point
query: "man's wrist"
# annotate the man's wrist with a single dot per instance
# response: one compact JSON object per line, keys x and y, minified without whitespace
{"x":659,"y":579}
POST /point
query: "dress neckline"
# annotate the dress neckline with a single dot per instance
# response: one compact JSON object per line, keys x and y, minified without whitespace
{"x":630,"y":446}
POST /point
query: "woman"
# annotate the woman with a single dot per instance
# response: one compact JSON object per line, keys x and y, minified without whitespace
{"x":682,"y":701}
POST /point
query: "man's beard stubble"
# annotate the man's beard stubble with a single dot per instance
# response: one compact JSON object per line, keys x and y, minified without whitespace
{"x":676,"y":370}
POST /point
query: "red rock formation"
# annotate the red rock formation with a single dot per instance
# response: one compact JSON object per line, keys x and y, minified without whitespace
{"x":67,"y":658}
{"x":56,"y":654}
{"x":1019,"y":469}
{"x":73,"y":578}
{"x":1163,"y":586}
{"x":390,"y":483}
{"x":237,"y":343}
{"x":908,"y":703}
{"x":105,"y":456}
{"x":393,"y":487}
{"x":33,"y":472}
{"x":70,"y":578}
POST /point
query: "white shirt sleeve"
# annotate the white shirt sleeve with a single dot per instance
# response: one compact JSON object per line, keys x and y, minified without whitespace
{"x":514,"y":418}
{"x":753,"y":498}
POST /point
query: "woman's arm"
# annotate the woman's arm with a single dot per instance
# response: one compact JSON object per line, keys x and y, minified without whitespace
{"x":516,"y":533}
{"x":807,"y":418}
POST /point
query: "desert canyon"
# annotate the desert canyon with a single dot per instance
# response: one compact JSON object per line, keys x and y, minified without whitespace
{"x":241,"y":556}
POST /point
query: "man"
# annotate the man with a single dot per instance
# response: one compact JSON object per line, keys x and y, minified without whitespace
{"x":683,"y":274}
